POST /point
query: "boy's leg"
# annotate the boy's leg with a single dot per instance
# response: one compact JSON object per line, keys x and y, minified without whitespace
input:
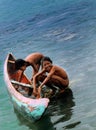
{"x":60,"y":82}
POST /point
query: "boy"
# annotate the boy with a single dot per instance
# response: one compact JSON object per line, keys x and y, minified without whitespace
{"x":18,"y":68}
{"x":55,"y":75}
{"x":17,"y":75}
{"x":35,"y":61}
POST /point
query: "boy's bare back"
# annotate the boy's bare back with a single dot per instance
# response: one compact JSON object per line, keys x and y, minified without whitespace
{"x":34,"y":58}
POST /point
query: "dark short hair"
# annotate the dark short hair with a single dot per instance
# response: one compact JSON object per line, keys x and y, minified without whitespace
{"x":20,"y":62}
{"x":46,"y":58}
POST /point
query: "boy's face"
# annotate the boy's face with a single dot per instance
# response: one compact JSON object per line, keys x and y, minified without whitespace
{"x":47,"y":65}
{"x":23,"y":68}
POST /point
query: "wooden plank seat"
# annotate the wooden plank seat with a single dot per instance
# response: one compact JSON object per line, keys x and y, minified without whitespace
{"x":21,"y":84}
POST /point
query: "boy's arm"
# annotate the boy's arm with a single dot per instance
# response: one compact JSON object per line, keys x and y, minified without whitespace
{"x":48,"y":77}
{"x":34,"y":78}
{"x":45,"y":81}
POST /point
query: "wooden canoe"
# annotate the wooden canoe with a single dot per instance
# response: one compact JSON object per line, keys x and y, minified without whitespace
{"x":30,"y":108}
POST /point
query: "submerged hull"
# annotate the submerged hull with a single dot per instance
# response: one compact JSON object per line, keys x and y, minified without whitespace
{"x":31,"y":109}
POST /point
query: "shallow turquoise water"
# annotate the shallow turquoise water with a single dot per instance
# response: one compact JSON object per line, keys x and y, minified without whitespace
{"x":65,"y":31}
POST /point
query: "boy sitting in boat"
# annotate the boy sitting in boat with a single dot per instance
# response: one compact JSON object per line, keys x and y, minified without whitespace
{"x":50,"y":74}
{"x":16,"y":76}
{"x":17,"y":69}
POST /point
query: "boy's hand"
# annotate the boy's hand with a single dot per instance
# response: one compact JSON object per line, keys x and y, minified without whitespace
{"x":39,"y":92}
{"x":35,"y":93}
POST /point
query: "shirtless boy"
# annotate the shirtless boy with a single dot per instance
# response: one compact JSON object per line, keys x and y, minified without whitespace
{"x":19,"y":67}
{"x":35,"y":61}
{"x":54,"y":74}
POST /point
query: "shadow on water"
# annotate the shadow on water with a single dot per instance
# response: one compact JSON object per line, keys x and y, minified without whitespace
{"x":72,"y":125}
{"x":62,"y":110}
{"x":59,"y":110}
{"x":62,"y":106}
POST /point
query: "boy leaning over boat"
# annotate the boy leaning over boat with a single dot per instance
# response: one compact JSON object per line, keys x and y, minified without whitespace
{"x":50,"y":74}
{"x":34,"y":60}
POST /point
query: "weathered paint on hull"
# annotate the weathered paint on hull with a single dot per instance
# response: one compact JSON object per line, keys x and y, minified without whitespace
{"x":31,"y":113}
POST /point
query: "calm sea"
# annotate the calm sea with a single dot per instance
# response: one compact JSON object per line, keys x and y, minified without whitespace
{"x":65,"y":30}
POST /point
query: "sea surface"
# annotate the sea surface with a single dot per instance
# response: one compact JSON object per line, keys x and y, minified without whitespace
{"x":64,"y":30}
